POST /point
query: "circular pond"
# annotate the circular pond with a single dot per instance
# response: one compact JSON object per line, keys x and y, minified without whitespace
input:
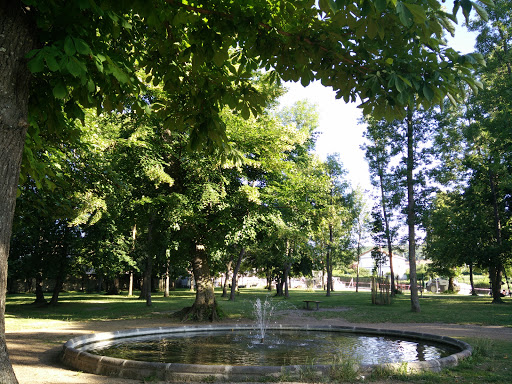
{"x":237,"y":353}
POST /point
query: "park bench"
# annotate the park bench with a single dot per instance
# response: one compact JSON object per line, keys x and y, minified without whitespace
{"x":311,"y":301}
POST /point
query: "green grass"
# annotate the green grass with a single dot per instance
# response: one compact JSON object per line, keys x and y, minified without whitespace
{"x":434,"y":308}
{"x":491,"y":362}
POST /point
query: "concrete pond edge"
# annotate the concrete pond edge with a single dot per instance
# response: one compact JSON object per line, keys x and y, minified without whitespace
{"x":75,"y":355}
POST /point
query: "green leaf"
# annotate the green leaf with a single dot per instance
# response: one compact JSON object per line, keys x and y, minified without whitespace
{"x":60,"y":91}
{"x":466,"y":5}
{"x":220,"y":56}
{"x":452,"y":99}
{"x":82,"y":47}
{"x":481,"y":12}
{"x":428,"y":92}
{"x":245,"y":112}
{"x":381,"y":5}
{"x":69,"y":46}
{"x":405,"y":80}
{"x":372,"y":29}
{"x":418,"y":12}
{"x":333,"y":4}
{"x":73,"y":66}
{"x":91,"y":87}
{"x":36,"y":64}
{"x":119,"y":74}
{"x":98,"y":60}
{"x":51,"y":62}
{"x":404,"y":14}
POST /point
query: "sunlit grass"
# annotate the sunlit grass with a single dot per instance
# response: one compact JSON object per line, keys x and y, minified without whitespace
{"x":490,"y":363}
{"x":358,"y":307}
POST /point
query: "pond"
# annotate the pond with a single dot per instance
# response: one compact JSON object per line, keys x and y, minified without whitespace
{"x":280,"y":348}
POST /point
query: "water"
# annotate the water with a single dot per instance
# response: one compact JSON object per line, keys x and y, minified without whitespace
{"x":285,"y":347}
{"x":263,"y":313}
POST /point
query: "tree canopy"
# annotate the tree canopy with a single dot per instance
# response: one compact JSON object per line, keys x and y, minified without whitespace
{"x":59,"y":58}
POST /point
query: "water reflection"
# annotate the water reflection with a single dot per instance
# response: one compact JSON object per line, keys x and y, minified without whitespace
{"x":280,"y":348}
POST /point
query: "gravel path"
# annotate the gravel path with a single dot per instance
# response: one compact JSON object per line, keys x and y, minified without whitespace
{"x":34,"y":351}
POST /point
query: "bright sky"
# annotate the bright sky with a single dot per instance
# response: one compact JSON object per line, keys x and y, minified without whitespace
{"x":338,"y":125}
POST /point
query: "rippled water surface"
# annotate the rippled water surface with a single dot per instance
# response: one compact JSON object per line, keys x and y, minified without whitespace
{"x":279,"y":348}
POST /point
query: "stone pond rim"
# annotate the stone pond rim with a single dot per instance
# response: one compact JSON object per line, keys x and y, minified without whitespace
{"x":172,"y":372}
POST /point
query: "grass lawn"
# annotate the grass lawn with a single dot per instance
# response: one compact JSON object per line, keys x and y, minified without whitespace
{"x":491,"y":362}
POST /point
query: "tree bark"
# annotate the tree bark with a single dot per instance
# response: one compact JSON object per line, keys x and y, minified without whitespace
{"x":328,"y":262}
{"x":17,"y":38}
{"x":451,"y":286}
{"x":39,"y":290}
{"x":388,"y":233}
{"x":145,"y":292}
{"x":285,"y":278}
{"x":59,"y":283}
{"x":496,"y":265}
{"x":473,"y":292}
{"x":279,"y":288}
{"x":205,"y":306}
{"x":62,"y":266}
{"x":495,"y":277}
{"x":167,"y":280}
{"x":415,"y":303}
{"x":130,"y":285}
{"x":226,"y":278}
{"x":113,"y":286}
{"x":287,"y":268}
{"x":234,"y":279}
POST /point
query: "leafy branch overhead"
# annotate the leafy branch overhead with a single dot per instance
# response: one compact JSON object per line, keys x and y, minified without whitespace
{"x":203,"y":55}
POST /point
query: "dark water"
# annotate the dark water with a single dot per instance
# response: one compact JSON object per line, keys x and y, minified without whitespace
{"x":279,"y":348}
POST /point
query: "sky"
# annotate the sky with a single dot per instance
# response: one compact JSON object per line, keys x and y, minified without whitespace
{"x":338,"y":122}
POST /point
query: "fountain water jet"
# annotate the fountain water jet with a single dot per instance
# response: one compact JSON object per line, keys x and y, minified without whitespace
{"x":263,"y":313}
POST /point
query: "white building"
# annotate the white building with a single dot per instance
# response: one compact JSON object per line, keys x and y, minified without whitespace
{"x":400,"y":263}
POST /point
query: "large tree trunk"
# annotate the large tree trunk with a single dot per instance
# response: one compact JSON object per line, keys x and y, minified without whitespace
{"x":279,"y":288}
{"x":269,"y":280}
{"x":145,"y":291}
{"x":57,"y":288}
{"x":388,"y":233}
{"x":415,"y":302}
{"x":234,"y":280}
{"x":167,"y":280}
{"x":495,"y":277}
{"x":471,"y":280}
{"x":226,"y":278}
{"x":287,"y":269}
{"x":205,"y":306}
{"x":451,"y":286}
{"x":39,"y":290}
{"x":17,"y":36}
{"x":130,"y":285}
{"x":496,"y":265}
{"x":328,"y":261}
{"x":62,"y":267}
{"x":358,"y":258}
{"x":113,"y":286}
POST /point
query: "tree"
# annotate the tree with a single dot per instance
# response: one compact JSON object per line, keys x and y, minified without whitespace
{"x":361,"y":226}
{"x":336,"y":218}
{"x":408,"y":142}
{"x":384,"y":144}
{"x":476,"y":145}
{"x":456,"y":234}
{"x":84,"y":57}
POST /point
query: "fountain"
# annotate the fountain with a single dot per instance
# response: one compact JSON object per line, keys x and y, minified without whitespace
{"x":257,"y":352}
{"x":263,"y":313}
